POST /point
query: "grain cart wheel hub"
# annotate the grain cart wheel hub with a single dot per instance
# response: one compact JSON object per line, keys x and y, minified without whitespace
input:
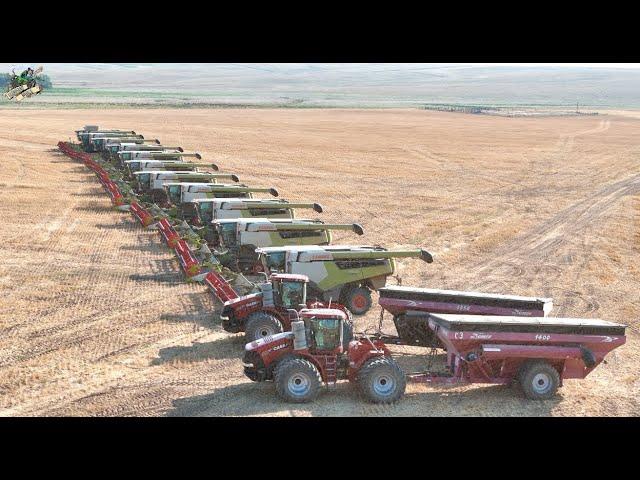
{"x":539,"y":380}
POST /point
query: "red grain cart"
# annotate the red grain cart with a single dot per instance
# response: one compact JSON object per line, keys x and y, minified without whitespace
{"x":413,"y":330}
{"x":537,"y":352}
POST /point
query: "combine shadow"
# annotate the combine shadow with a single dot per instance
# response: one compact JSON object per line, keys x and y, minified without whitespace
{"x":171,"y":278}
{"x":97,"y":208}
{"x":218,"y":349}
{"x":117,"y":226}
{"x":195,"y":309}
{"x":150,"y":247}
{"x":92,"y":193}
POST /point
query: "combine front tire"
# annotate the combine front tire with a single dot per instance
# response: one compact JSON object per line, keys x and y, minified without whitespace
{"x":358,"y":300}
{"x":297,"y":380}
{"x":260,"y":325}
{"x":381,"y":380}
{"x":539,"y":380}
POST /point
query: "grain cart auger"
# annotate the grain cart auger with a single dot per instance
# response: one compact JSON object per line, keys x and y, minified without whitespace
{"x":408,"y":306}
{"x":241,"y":236}
{"x":151,"y":182}
{"x":319,"y":350}
{"x":182,"y":194}
{"x":347,"y":274}
{"x":269,"y":310}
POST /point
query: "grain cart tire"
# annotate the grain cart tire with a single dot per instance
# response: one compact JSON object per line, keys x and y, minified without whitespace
{"x":539,"y":380}
{"x":260,"y":325}
{"x":358,"y":300}
{"x":381,"y":381}
{"x":297,"y":380}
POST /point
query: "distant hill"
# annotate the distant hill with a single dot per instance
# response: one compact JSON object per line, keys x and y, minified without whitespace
{"x":356,"y":84}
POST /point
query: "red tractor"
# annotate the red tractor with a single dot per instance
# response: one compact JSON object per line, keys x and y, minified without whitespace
{"x":271,"y":310}
{"x":321,"y":349}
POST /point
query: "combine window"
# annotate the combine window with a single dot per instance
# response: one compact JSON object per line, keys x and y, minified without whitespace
{"x":174,"y":194}
{"x":346,"y":264}
{"x":227,"y":232}
{"x":145,"y":181}
{"x":134,"y":166}
{"x":205,"y":212}
{"x":274,"y":262}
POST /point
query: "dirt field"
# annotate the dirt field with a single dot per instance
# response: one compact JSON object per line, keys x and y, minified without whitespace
{"x":95,"y":318}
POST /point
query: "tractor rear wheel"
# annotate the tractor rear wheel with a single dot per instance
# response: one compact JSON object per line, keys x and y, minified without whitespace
{"x":297,"y":380}
{"x":381,"y":380}
{"x":358,"y":300}
{"x":260,"y":325}
{"x":539,"y":380}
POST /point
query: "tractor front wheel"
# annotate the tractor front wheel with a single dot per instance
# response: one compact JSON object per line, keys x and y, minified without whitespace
{"x":539,"y":380}
{"x":381,"y":380}
{"x":260,"y":325}
{"x":358,"y":300}
{"x":297,"y":380}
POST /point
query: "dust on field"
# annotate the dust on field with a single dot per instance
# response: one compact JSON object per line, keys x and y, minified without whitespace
{"x":96,"y":319}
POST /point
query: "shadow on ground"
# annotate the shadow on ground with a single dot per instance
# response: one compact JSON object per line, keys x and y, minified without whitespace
{"x":229,"y":347}
{"x":251,"y":398}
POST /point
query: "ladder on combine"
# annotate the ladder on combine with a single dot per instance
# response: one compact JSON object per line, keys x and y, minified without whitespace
{"x":221,"y":288}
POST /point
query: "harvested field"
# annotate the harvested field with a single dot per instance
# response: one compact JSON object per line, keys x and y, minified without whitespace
{"x":96,"y":319}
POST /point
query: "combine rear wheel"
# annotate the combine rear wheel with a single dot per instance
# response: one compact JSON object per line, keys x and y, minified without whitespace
{"x":539,"y":380}
{"x":297,"y":380}
{"x":358,"y":300}
{"x":260,"y":325}
{"x":381,"y":380}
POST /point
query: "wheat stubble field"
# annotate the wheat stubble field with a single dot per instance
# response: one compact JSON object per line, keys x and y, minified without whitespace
{"x":95,"y":318}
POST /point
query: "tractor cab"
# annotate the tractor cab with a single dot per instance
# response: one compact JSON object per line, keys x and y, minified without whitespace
{"x":327,"y":330}
{"x":289,"y":291}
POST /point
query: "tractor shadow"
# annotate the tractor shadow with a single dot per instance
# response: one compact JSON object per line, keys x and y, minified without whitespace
{"x":259,"y":398}
{"x":195,"y":308}
{"x":224,"y":348}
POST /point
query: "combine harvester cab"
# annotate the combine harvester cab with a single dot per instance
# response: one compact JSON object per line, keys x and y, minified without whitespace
{"x":408,"y":306}
{"x":152,"y":182}
{"x":183,"y":195}
{"x":133,"y":166}
{"x":242,"y":236}
{"x":84,"y":136}
{"x":88,"y":139}
{"x":207,"y":210}
{"x":100,"y":142}
{"x":272,"y":309}
{"x":111,"y":147}
{"x":347,"y":274}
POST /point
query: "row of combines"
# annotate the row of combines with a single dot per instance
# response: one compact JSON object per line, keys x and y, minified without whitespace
{"x":293,"y":293}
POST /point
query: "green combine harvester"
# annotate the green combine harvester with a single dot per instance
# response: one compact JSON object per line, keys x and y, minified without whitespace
{"x":346,"y":274}
{"x":242,"y":236}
